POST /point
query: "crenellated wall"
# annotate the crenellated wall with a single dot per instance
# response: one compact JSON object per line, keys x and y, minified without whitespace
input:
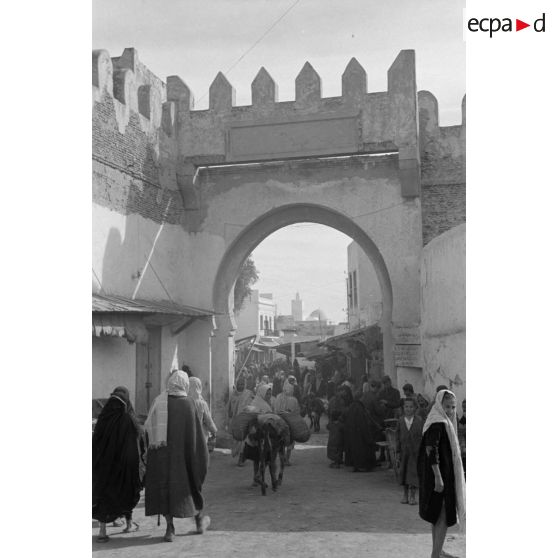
{"x":442,"y":155}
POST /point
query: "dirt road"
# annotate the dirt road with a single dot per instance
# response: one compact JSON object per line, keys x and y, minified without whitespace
{"x":317,"y":512}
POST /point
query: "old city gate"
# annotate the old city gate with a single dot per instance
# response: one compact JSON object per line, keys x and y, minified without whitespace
{"x":207,"y":186}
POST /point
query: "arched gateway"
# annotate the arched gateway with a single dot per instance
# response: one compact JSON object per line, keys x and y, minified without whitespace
{"x":210,"y":185}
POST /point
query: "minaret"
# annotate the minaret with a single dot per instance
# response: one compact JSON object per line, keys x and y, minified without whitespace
{"x":296,"y":308}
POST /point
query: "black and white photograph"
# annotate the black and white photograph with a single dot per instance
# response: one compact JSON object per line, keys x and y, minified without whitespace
{"x":279,"y":251}
{"x":278,"y":278}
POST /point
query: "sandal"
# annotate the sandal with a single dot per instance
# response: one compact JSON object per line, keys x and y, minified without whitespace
{"x":132,"y":529}
{"x":103,"y":538}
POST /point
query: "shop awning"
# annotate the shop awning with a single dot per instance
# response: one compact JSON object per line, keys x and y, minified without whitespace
{"x":257,"y":341}
{"x":116,"y":324}
{"x":369,"y":336}
{"x":116,"y":316}
{"x":111,"y":303}
{"x":303,"y":345}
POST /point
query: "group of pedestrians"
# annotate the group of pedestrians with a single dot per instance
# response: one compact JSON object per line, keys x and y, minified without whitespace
{"x":169,"y":457}
{"x":429,"y":440}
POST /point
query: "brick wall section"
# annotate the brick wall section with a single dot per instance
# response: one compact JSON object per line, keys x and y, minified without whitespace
{"x":126,"y":171}
{"x":131,"y":150}
{"x":443,"y":207}
{"x":443,"y":190}
{"x":127,"y":195}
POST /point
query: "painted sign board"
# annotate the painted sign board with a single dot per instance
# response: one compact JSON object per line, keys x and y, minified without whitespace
{"x":408,"y":355}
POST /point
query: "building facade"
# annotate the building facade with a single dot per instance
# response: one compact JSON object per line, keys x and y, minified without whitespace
{"x":257,"y":316}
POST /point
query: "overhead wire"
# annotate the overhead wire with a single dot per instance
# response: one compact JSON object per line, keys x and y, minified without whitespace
{"x":258,"y":41}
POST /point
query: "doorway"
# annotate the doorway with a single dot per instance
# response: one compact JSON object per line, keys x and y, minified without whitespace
{"x":148,"y":371}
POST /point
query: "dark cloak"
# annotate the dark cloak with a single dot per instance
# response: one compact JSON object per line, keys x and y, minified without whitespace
{"x":116,"y":461}
{"x":435,"y":448}
{"x":361,"y":434}
{"x":176,"y":472}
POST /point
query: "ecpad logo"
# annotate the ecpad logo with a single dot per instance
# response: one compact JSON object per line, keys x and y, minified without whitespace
{"x":494,"y":24}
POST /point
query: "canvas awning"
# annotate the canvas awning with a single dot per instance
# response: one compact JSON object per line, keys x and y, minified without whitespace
{"x":116,"y":324}
{"x":369,"y":338}
{"x":112,"y":303}
{"x":117,"y":316}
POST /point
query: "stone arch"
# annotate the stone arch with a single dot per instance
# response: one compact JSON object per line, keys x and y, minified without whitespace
{"x":253,"y":234}
{"x":243,"y":245}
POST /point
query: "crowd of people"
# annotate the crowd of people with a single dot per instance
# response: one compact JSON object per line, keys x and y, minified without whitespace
{"x":169,"y":455}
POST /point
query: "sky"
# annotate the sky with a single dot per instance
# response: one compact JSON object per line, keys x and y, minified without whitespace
{"x":195,"y":39}
{"x":309,"y":259}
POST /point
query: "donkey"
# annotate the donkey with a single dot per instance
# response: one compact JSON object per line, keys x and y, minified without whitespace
{"x":267,"y":444}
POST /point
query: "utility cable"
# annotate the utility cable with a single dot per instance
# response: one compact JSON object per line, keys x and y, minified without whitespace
{"x":98,"y":280}
{"x":268,"y":30}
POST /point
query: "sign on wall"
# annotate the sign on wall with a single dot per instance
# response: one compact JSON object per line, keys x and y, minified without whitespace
{"x":406,"y":335}
{"x":408,"y":355}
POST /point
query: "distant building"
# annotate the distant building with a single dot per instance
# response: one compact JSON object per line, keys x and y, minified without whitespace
{"x":285,"y":323}
{"x":297,"y":308}
{"x":257,"y":316}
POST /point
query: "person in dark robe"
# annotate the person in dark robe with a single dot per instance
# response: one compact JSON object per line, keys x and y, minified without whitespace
{"x":321,"y":385}
{"x":335,"y":440}
{"x":361,"y":434}
{"x":177,"y":458}
{"x":372,"y":403}
{"x":423,"y":406}
{"x":440,"y":471}
{"x":391,"y":398}
{"x":277,"y":383}
{"x":377,"y":411}
{"x":118,"y":450}
{"x":338,"y":404}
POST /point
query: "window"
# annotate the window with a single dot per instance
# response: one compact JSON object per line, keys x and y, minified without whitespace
{"x":355,"y":296}
{"x":261,"y":321}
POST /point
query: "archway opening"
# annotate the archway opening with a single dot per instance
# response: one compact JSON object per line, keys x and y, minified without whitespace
{"x":254,"y":234}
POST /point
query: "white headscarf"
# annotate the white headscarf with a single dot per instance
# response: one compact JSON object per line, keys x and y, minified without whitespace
{"x":286,"y":401}
{"x":259,"y":401}
{"x":157,"y":419}
{"x":437,"y":414}
{"x":196,"y":395}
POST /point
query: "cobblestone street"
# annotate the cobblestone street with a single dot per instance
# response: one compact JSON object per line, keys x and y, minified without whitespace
{"x":317,"y":511}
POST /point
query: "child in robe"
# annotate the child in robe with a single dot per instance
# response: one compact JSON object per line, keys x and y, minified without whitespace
{"x":408,"y":435}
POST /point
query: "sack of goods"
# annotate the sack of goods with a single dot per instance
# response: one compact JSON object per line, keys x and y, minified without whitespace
{"x":240,"y":424}
{"x":299,"y":429}
{"x":277,"y":423}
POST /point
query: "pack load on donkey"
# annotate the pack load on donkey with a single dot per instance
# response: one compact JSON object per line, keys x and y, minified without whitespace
{"x":266,"y":435}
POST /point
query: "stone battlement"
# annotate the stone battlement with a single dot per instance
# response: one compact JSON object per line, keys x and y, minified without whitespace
{"x":355,"y":122}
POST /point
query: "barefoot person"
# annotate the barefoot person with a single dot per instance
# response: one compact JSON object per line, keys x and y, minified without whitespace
{"x":177,"y":458}
{"x":117,"y":452}
{"x":441,"y":480}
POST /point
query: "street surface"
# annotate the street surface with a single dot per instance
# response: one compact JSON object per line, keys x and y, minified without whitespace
{"x":317,"y":512}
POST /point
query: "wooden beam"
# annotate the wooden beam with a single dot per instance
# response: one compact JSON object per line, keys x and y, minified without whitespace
{"x":189,"y":321}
